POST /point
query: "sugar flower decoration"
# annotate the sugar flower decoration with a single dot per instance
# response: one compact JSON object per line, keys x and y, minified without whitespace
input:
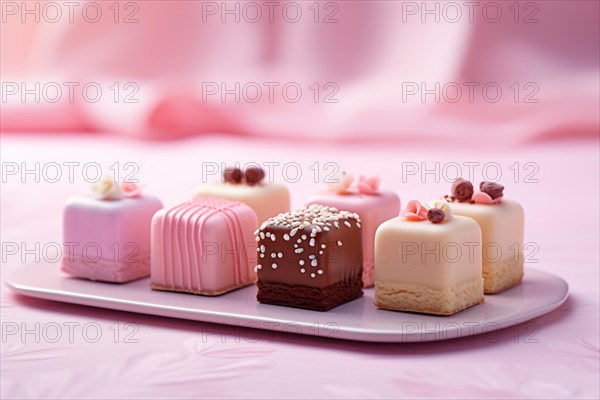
{"x":130,"y":189}
{"x":343,"y":184}
{"x":414,"y":211}
{"x":368,"y":185}
{"x":107,"y":189}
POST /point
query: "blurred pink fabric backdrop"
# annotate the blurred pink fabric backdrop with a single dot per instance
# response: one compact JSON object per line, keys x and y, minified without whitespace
{"x":176,"y":47}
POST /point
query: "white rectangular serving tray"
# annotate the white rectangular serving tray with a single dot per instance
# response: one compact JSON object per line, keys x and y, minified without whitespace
{"x":360,"y":320}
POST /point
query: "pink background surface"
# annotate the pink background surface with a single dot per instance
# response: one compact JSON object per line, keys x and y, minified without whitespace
{"x":174,"y":358}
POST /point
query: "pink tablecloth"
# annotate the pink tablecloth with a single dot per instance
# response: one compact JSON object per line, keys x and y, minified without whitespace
{"x":555,"y":356}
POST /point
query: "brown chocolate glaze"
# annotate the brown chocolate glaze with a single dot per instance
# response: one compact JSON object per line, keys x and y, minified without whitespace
{"x":336,"y":263}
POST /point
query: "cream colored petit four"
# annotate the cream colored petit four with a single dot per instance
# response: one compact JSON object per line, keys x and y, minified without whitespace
{"x":428,"y":261}
{"x":266,"y":199}
{"x":502,"y":228}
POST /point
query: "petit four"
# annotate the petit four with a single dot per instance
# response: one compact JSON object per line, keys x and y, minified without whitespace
{"x":310,"y":258}
{"x":502,"y":227}
{"x":428,"y":261}
{"x":249,"y":186}
{"x":373,"y":205}
{"x":107,"y":237}
{"x":205,"y":246}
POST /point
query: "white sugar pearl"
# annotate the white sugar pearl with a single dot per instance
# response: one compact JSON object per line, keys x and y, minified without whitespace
{"x":274,"y":266}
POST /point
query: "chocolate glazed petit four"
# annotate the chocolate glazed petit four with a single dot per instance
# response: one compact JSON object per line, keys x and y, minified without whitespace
{"x":373,"y":205}
{"x":310,"y":258}
{"x":249,"y":186}
{"x":502,"y":227}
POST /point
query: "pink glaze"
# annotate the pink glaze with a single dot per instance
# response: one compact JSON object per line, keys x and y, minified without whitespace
{"x":205,"y":246}
{"x":108,"y":240}
{"x":484,"y":198}
{"x":414,"y":211}
{"x":372,"y":209}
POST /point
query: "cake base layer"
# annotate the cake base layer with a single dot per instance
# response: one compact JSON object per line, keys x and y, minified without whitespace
{"x":502,"y":275}
{"x":312,"y":298}
{"x":422,"y":299}
{"x":203,"y":292}
{"x":107,"y":270}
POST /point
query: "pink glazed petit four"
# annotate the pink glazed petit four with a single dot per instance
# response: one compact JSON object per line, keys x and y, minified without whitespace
{"x":374,"y":206}
{"x":204,"y":246}
{"x":107,"y":238}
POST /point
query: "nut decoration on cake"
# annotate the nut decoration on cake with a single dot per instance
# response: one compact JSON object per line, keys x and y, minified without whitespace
{"x":310,"y":258}
{"x":116,"y":221}
{"x":251,"y":176}
{"x":502,"y":227}
{"x":438,"y":211}
{"x":413,"y":271}
{"x":462,"y":192}
{"x":489,"y":193}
